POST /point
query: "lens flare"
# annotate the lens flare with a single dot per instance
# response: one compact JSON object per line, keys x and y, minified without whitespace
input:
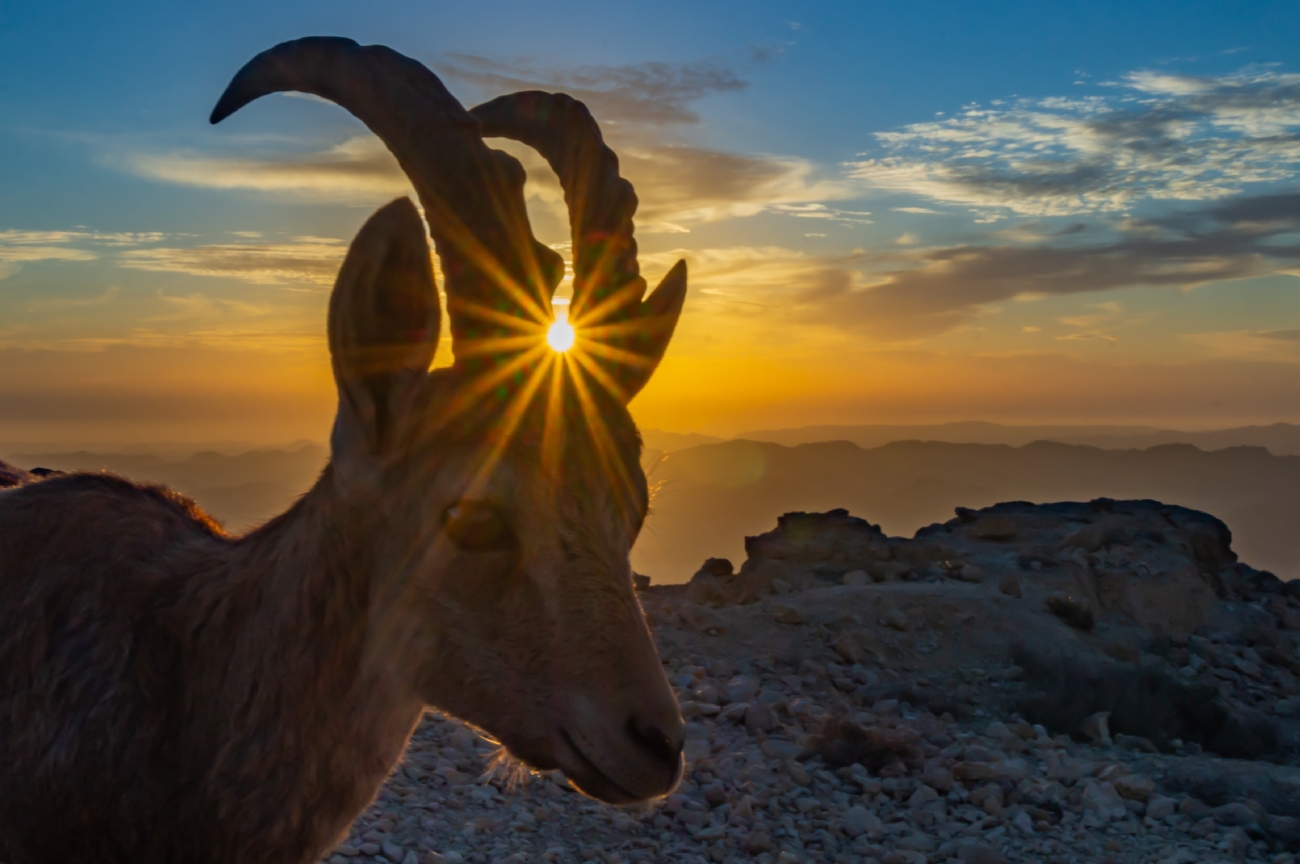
{"x":560,"y":336}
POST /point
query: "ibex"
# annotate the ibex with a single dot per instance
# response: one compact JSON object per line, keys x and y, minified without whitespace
{"x":169,"y":693}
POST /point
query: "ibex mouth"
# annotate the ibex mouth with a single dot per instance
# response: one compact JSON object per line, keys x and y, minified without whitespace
{"x":590,"y":779}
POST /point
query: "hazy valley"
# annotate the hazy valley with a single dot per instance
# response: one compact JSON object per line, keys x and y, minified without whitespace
{"x":710,"y":494}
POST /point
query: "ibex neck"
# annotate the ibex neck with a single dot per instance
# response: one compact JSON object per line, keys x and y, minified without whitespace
{"x":335,"y":716}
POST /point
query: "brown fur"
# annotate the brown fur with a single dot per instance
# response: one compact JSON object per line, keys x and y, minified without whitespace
{"x":169,"y":693}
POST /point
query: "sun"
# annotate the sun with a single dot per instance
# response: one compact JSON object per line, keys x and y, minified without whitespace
{"x":560,"y":336}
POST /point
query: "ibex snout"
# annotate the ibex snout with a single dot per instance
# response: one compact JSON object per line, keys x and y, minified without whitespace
{"x":625,"y":761}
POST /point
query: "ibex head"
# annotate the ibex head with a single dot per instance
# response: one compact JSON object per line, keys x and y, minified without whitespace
{"x":502,"y":495}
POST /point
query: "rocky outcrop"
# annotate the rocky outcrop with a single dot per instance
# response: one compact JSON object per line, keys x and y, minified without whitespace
{"x":1137,"y":611}
{"x":1162,"y":566}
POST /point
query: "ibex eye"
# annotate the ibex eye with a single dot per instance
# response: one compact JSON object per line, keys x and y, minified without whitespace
{"x":476,"y":526}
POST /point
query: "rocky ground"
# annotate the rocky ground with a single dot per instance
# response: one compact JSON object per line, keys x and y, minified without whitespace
{"x":1074,"y":682}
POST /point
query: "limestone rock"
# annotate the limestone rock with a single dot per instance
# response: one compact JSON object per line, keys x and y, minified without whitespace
{"x":1102,"y":799}
{"x":783,"y":613}
{"x":859,"y":820}
{"x":1160,"y":808}
{"x":1009,"y":584}
{"x":855,"y":577}
{"x":1096,"y":728}
{"x":813,"y":538}
{"x":1135,"y":787}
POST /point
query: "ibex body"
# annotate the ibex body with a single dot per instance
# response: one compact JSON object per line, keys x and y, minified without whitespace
{"x":169,"y":693}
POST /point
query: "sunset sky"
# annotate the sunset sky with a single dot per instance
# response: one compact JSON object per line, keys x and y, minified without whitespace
{"x":893,"y":212}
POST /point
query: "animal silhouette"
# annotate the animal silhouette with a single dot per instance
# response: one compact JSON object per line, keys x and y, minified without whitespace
{"x":169,"y":693}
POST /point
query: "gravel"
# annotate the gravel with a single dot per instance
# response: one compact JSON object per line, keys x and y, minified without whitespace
{"x":976,"y":791}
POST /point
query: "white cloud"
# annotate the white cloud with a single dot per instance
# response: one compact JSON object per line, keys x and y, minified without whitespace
{"x":1159,"y":136}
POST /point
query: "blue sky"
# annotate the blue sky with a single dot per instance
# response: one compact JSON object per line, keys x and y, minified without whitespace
{"x":898,"y":212}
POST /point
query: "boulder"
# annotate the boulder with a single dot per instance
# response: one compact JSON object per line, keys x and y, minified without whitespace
{"x":815,"y":538}
{"x":758,"y":578}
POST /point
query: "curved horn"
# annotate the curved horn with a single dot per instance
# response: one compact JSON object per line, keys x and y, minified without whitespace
{"x":607,"y":285}
{"x":499,"y":278}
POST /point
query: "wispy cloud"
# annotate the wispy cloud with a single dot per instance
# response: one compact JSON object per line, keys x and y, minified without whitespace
{"x":1159,"y":136}
{"x":905,"y":294}
{"x":19,"y":247}
{"x":1278,"y":335}
{"x":359,"y":170}
{"x":308,"y":260}
{"x":640,"y":93}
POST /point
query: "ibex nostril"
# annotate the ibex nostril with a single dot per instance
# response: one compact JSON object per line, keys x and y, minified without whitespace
{"x":655,"y":741}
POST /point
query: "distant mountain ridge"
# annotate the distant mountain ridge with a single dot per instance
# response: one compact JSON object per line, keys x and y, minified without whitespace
{"x":1280,"y":439}
{"x":709,"y":496}
{"x":240,"y":490}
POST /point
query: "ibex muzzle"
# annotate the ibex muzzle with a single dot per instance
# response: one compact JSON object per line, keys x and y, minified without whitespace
{"x":168,"y":692}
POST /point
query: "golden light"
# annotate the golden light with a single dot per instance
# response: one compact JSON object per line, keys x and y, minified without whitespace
{"x":560,"y":336}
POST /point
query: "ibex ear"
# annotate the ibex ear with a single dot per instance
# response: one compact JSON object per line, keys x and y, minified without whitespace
{"x":383,"y":331}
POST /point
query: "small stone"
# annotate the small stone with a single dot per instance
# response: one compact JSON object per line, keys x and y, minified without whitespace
{"x":1023,"y":823}
{"x":895,"y":618}
{"x":696,"y":749}
{"x":980,"y":853}
{"x":1011,"y":769}
{"x":782,"y":751}
{"x":1234,"y":814}
{"x":988,"y":798}
{"x":973,"y":771}
{"x":1000,"y":731}
{"x":1159,"y":807}
{"x":904,"y":856}
{"x":1135,"y":787}
{"x":734,"y":713}
{"x":922,"y":796}
{"x":939,"y":777}
{"x":970,"y":573}
{"x":1135,"y":742}
{"x":1009,"y":584}
{"x":1102,"y":799}
{"x":702,"y":620}
{"x":918,"y":842}
{"x":849,"y":650}
{"x":858,"y":820}
{"x":758,"y":843}
{"x":760,"y":716}
{"x":1096,"y":728}
{"x":786,"y":614}
{"x":742,"y":688}
{"x":855,"y":577}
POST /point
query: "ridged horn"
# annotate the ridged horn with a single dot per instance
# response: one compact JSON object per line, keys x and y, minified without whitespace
{"x":499,"y":278}
{"x":609,"y":304}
